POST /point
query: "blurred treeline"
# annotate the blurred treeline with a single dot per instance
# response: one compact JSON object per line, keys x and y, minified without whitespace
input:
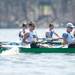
{"x":15,"y":12}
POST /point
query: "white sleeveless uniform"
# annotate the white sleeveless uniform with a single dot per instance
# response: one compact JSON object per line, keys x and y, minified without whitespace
{"x":68,"y":37}
{"x":31,"y":37}
{"x":49,"y":34}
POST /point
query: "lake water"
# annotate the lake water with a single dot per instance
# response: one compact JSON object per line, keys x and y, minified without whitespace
{"x":34,"y":64}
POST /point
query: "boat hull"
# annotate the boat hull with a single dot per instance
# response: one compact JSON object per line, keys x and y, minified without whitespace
{"x":47,"y":50}
{"x":41,"y":50}
{"x":3,"y":49}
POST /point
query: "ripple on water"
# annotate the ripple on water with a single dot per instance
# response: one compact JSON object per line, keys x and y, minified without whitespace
{"x":38,"y":64}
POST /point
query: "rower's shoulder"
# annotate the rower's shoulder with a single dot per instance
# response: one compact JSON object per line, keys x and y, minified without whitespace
{"x":65,"y":35}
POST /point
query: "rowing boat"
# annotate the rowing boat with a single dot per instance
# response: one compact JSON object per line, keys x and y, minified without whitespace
{"x":46,"y":50}
{"x":57,"y":48}
{"x":51,"y":49}
{"x":41,"y":50}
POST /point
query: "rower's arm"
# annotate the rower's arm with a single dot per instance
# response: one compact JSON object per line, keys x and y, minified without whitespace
{"x":65,"y":42}
{"x":65,"y":36}
{"x":26,"y":35}
{"x":57,"y":35}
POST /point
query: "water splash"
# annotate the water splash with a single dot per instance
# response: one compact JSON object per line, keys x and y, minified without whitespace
{"x":10,"y":52}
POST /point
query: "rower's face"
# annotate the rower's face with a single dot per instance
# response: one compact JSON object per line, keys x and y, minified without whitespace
{"x":69,"y":29}
{"x":51,"y":27}
{"x":32,"y":28}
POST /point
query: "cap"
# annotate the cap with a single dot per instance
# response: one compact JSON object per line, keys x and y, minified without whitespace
{"x":70,"y":25}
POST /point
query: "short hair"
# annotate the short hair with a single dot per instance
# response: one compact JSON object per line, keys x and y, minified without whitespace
{"x":51,"y":25}
{"x":24,"y":25}
{"x":31,"y":24}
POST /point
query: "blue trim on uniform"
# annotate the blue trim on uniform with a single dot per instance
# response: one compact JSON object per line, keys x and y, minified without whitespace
{"x":65,"y":36}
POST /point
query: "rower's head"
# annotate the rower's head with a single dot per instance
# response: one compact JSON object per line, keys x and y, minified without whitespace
{"x":31,"y":26}
{"x":51,"y":26}
{"x":70,"y":27}
{"x":24,"y":26}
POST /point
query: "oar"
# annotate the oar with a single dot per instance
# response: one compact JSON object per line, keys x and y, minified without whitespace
{"x":47,"y":42}
{"x":3,"y":43}
{"x":40,"y":44}
{"x":50,"y":39}
{"x":9,"y":43}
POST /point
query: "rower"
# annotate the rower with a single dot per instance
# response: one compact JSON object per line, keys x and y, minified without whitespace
{"x":22,"y":32}
{"x":67,"y":36}
{"x":31,"y":35}
{"x":50,"y":32}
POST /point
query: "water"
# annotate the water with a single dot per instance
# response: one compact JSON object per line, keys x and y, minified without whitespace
{"x":34,"y":64}
{"x":38,"y":64}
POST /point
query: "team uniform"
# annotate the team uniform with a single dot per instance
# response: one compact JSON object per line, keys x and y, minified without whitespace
{"x":68,"y":37}
{"x":31,"y":37}
{"x":49,"y":34}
